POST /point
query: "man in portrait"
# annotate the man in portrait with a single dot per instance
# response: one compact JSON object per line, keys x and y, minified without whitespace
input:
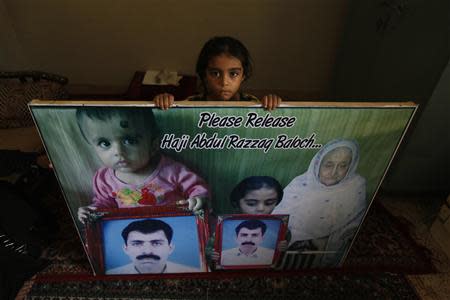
{"x":148,"y":244}
{"x":249,"y":237}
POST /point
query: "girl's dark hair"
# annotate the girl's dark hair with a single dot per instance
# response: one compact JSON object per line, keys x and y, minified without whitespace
{"x":255,"y":183}
{"x":217,"y":46}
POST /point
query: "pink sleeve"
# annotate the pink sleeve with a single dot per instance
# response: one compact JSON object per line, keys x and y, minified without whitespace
{"x":190,"y":183}
{"x":103,"y":189}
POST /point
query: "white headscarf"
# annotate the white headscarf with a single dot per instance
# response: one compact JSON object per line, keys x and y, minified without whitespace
{"x":317,"y":210}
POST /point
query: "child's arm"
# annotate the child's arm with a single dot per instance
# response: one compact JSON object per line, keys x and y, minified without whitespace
{"x":194,"y":204}
{"x":271,"y":101}
{"x":164,"y":101}
{"x":84,"y":212}
{"x":212,"y":257}
{"x":194,"y":188}
{"x":282,"y":246}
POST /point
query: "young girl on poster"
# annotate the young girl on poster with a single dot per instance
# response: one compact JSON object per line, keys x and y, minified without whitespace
{"x":223,"y":65}
{"x":327,"y":203}
{"x":134,"y":173}
{"x":254,"y":195}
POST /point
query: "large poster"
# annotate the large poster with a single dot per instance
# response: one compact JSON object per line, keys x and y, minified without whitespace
{"x":316,"y":166}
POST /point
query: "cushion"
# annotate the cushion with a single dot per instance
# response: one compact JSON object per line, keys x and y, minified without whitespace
{"x":15,"y":95}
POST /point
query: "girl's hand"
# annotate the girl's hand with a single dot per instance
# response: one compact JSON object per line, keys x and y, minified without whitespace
{"x":214,"y":256}
{"x":282,"y":246}
{"x":83,"y":213}
{"x":194,"y":204}
{"x":164,"y":101}
{"x":271,"y":101}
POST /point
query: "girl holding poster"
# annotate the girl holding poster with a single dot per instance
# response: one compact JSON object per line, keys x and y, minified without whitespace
{"x":223,"y":64}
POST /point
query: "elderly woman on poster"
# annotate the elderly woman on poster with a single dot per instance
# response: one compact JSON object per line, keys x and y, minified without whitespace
{"x":327,"y":203}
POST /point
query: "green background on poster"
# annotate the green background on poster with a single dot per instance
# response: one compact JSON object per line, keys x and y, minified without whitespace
{"x":377,"y":129}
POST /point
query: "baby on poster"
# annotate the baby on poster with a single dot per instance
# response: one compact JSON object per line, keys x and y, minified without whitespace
{"x":135,"y":173}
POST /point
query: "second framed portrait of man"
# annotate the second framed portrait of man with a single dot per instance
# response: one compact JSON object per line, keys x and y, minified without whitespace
{"x":249,"y":241}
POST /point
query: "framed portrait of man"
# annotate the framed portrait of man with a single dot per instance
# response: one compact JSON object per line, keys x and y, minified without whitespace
{"x":249,"y":241}
{"x":132,"y":242}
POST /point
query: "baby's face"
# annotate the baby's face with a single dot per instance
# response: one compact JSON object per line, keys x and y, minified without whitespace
{"x":121,"y":144}
{"x":224,"y":76}
{"x":335,"y":165}
{"x":258,"y":202}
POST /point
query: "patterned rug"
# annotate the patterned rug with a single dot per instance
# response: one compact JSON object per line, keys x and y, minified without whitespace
{"x":375,"y":268}
{"x":384,"y":244}
{"x":320,"y":286}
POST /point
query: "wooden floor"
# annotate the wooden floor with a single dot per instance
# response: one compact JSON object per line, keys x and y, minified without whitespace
{"x":422,"y":213}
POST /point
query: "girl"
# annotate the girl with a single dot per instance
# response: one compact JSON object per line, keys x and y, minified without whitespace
{"x":327,"y":203}
{"x":255,"y":195}
{"x":134,"y":173}
{"x":223,"y":65}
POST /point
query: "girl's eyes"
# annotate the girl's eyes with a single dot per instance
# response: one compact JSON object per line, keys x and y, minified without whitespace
{"x":103,"y":143}
{"x":270,"y":202}
{"x":234,"y":74}
{"x":218,"y":74}
{"x":214,"y":74}
{"x":130,"y":141}
{"x":255,"y":202}
{"x":250,"y":203}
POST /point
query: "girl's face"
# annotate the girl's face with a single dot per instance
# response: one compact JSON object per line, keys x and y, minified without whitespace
{"x":258,"y":202}
{"x":224,"y":76}
{"x":335,"y":165}
{"x":119,"y":143}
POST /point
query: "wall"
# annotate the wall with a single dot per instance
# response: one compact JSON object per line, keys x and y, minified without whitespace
{"x":398,"y":49}
{"x":393,"y":49}
{"x":11,"y":53}
{"x":341,"y":49}
{"x":424,"y":162}
{"x":99,"y":44}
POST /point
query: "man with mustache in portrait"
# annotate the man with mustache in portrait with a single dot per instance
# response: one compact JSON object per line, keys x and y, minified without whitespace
{"x":148,"y":243}
{"x":249,"y":235}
